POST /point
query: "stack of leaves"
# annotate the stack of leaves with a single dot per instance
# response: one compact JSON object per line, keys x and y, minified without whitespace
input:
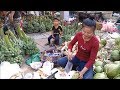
{"x":29,"y":46}
{"x":69,"y":31}
{"x":9,"y":51}
{"x":13,"y":49}
{"x":37,"y":24}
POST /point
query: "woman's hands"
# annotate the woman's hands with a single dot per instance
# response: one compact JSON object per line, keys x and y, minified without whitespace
{"x":81,"y":75}
{"x":82,"y":72}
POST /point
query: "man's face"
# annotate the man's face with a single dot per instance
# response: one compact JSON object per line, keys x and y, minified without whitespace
{"x":55,"y":22}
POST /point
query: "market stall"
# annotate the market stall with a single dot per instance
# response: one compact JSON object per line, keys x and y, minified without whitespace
{"x":15,"y":48}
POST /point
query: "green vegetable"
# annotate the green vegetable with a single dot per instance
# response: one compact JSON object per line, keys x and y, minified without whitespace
{"x":1,"y":33}
{"x":7,"y":41}
{"x":98,"y":69}
{"x":10,"y":49}
{"x":99,"y":63}
{"x":117,"y":41}
{"x":115,"y":55}
{"x":100,"y":76}
{"x":117,"y":77}
{"x":112,"y":70}
{"x":117,"y":62}
{"x":11,"y":35}
{"x":103,"y":42}
{"x":29,"y":46}
{"x":75,"y":75}
{"x":38,"y":24}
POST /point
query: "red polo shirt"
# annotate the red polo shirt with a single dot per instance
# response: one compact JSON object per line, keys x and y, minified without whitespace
{"x":86,"y":51}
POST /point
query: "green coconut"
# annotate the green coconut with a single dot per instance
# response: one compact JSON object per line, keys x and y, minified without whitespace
{"x":98,"y":69}
{"x":115,"y":55}
{"x":100,"y":76}
{"x":112,"y":70}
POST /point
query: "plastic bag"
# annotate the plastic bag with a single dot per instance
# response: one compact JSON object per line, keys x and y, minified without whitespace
{"x":7,"y":70}
{"x":28,"y":76}
{"x":36,"y":65}
{"x":47,"y":66}
{"x":33,"y":58}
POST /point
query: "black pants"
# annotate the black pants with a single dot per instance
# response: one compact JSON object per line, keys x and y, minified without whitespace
{"x":9,"y":27}
{"x":5,"y":28}
{"x":56,"y":39}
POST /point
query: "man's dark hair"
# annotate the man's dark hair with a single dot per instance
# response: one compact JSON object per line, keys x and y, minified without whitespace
{"x":56,"y":19}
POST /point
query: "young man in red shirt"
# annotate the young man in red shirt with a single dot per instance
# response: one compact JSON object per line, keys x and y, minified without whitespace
{"x":88,"y":46}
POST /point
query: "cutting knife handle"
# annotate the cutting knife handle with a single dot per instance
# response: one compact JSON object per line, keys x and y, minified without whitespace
{"x":52,"y":75}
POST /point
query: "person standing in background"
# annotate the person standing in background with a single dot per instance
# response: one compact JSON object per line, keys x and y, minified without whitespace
{"x":5,"y":20}
{"x":14,"y":19}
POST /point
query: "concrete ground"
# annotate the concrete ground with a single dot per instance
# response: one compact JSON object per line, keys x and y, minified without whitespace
{"x":41,"y":40}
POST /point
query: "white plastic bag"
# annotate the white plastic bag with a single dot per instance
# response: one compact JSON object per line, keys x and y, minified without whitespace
{"x":36,"y":65}
{"x":7,"y":70}
{"x":28,"y":76}
{"x":47,"y":66}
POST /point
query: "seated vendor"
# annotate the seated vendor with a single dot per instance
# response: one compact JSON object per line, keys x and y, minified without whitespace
{"x":88,"y":46}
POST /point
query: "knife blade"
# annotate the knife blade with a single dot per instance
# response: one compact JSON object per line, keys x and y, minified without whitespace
{"x":68,"y":66}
